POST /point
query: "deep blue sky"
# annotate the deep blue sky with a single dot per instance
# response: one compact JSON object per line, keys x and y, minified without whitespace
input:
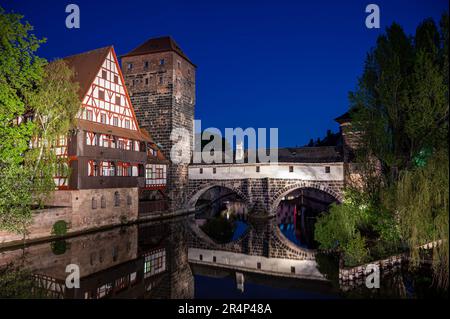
{"x":285,"y":64}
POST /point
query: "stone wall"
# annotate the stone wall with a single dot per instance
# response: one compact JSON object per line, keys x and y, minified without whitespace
{"x":41,"y":225}
{"x":81,"y":210}
{"x":262,"y":195}
{"x":163,"y":97}
{"x":352,"y":277}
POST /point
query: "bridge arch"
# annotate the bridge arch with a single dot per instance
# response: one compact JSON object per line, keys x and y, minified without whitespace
{"x":277,"y":197}
{"x":199,"y":191}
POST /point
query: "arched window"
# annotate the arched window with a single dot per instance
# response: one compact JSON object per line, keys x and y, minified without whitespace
{"x":103,"y":201}
{"x":94,"y":203}
{"x":116,"y":199}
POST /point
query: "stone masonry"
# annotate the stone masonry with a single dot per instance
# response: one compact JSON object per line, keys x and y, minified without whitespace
{"x":262,"y":195}
{"x":161,"y":84}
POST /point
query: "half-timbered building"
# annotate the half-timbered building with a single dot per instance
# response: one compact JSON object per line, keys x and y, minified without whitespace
{"x":107,"y":149}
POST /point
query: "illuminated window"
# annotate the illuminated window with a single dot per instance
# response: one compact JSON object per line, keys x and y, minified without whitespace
{"x":155,"y":262}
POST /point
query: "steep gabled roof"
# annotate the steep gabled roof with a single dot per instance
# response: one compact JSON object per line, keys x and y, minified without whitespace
{"x":344,"y":118}
{"x":155,"y":45}
{"x":86,"y":65}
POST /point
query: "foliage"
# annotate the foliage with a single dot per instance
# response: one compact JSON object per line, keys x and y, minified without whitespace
{"x":17,"y":282}
{"x":54,"y":104}
{"x":59,"y":247}
{"x":20,"y":71}
{"x":400,"y":116}
{"x":15,"y":198}
{"x":420,"y":199}
{"x":59,"y":228}
{"x":38,"y":103}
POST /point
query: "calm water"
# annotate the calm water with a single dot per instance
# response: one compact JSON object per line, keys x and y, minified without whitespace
{"x":151,"y":260}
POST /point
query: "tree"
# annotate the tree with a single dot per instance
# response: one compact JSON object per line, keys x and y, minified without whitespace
{"x":400,"y":113}
{"x":20,"y":72}
{"x":38,"y":103}
{"x":54,"y":105}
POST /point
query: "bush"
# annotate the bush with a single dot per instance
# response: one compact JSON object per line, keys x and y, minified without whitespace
{"x":59,"y":247}
{"x":355,"y":251}
{"x":59,"y":228}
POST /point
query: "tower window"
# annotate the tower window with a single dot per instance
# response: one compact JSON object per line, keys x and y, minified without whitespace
{"x":291,"y":169}
{"x":162,"y":62}
{"x":160,"y":80}
{"x":130,"y":66}
{"x":214,"y":170}
{"x":146,"y":81}
{"x":327,"y":169}
{"x":179,"y":64}
{"x":146,"y":64}
{"x":201,"y":170}
{"x":116,"y":199}
{"x":257,"y":169}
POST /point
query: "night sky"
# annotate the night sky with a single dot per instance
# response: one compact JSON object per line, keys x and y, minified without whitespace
{"x":285,"y":64}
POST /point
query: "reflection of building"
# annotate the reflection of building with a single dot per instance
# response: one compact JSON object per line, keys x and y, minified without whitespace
{"x":145,"y":261}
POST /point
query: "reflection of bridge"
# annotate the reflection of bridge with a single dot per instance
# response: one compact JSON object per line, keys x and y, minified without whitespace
{"x":262,"y":238}
{"x":262,"y":250}
{"x":262,"y":186}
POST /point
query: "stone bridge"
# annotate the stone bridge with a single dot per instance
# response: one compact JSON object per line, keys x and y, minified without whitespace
{"x":261,"y":238}
{"x":263,"y":186}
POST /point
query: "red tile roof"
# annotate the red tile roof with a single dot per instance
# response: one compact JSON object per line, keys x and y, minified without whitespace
{"x":86,"y":65}
{"x":155,"y":45}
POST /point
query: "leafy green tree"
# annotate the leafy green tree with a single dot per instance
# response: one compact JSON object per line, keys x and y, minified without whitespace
{"x":400,"y":114}
{"x":38,"y":103}
{"x":20,"y":72}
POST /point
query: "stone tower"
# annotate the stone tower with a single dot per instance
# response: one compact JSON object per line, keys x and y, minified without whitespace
{"x":161,"y":81}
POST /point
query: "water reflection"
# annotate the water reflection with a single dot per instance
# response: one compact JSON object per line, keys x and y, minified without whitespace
{"x":225,"y":221}
{"x":140,"y":261}
{"x":171,"y":259}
